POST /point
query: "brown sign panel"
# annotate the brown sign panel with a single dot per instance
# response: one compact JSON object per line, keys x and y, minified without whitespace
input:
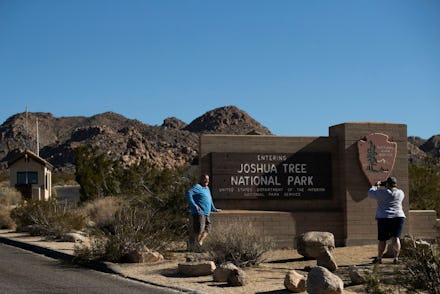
{"x":261,"y":175}
{"x":377,"y":156}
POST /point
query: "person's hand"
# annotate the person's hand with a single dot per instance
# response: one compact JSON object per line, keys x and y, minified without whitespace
{"x":218,"y":210}
{"x":378,"y":183}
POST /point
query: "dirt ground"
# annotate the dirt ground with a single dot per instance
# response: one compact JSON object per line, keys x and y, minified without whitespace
{"x":269,"y":276}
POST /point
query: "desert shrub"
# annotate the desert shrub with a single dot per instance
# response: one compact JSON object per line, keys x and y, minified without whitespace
{"x":95,"y":250}
{"x":422,"y":266}
{"x":9,"y":197}
{"x":102,"y":211}
{"x":375,"y":282}
{"x":47,"y":218}
{"x":6,"y":222}
{"x":137,"y":225}
{"x":242,"y":244}
{"x":4,"y":178}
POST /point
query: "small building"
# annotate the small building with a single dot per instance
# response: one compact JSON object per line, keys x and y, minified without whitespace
{"x":31,"y":175}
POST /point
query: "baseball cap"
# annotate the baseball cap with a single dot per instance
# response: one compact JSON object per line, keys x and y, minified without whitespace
{"x":391,"y":181}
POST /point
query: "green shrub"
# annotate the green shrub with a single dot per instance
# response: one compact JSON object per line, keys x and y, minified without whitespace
{"x":424,"y":187}
{"x":241,"y":244}
{"x":47,"y":218}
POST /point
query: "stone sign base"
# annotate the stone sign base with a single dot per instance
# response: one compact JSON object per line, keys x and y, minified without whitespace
{"x":283,"y":227}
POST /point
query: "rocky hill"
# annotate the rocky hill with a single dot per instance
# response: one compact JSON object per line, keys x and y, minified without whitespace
{"x":172,"y":144}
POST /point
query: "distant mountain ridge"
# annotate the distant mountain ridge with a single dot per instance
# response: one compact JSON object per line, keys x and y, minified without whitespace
{"x":172,"y":144}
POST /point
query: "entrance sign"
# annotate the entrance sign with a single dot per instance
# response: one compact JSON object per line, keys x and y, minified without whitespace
{"x":377,"y":156}
{"x":275,"y":175}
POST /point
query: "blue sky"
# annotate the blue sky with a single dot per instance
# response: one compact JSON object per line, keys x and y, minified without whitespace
{"x":297,"y":67}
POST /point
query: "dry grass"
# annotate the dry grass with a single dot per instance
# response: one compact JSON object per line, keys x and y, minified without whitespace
{"x":9,"y":196}
{"x":6,"y":222}
{"x":102,"y":211}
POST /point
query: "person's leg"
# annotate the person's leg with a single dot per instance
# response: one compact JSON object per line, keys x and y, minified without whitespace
{"x":395,"y":242}
{"x":395,"y":236}
{"x":205,"y":229}
{"x":198,"y":226}
{"x":381,"y":248}
{"x":202,"y":237}
{"x":382,"y":237}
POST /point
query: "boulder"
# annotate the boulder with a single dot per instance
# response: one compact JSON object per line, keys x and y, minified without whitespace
{"x":327,"y":260}
{"x":196,"y":269}
{"x":321,"y":281}
{"x":295,"y":282}
{"x":73,"y":237}
{"x":237,"y":278}
{"x":312,"y":244}
{"x":408,"y":245}
{"x":222,"y":272}
{"x":144,"y":256}
{"x":357,"y":275}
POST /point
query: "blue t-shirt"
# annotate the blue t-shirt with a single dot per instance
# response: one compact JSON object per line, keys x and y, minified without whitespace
{"x":199,"y":196}
{"x":389,"y":202}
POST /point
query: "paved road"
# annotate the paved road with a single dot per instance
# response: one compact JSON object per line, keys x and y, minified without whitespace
{"x":23,"y":271}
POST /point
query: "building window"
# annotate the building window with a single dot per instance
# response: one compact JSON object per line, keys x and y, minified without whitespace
{"x":27,"y":178}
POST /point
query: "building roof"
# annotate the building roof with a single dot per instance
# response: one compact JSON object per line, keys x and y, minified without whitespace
{"x":28,"y":153}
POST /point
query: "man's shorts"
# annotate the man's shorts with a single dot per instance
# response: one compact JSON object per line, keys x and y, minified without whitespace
{"x":389,"y":227}
{"x":201,"y":223}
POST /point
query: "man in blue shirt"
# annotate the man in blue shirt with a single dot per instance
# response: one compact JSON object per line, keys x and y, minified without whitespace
{"x":389,"y":215}
{"x":200,"y":204}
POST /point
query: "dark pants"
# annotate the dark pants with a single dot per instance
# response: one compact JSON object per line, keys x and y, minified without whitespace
{"x":201,"y":223}
{"x":389,"y":227}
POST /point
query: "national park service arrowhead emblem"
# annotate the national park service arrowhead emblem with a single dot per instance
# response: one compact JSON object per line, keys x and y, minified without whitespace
{"x":377,"y":156}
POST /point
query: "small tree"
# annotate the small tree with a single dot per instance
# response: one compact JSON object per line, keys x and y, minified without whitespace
{"x":94,"y":173}
{"x":424,"y":186}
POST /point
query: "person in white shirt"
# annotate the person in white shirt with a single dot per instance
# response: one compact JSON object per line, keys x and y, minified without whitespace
{"x":389,"y":215}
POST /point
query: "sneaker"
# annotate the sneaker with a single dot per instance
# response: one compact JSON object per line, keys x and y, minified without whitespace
{"x":396,"y":260}
{"x":377,"y":260}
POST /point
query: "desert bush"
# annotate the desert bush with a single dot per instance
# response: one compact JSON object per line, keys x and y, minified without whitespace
{"x":4,"y":178}
{"x":137,"y":225}
{"x":94,"y":250}
{"x":47,"y":218}
{"x":242,"y":244}
{"x":422,"y":268}
{"x":376,"y":282}
{"x":9,"y":196}
{"x":102,"y":211}
{"x":6,"y":222}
